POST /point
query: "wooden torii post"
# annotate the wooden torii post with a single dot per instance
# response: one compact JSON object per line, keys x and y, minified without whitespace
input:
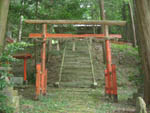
{"x":110,"y":71}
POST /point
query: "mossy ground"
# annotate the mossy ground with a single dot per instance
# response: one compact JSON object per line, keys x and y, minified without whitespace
{"x":76,"y":100}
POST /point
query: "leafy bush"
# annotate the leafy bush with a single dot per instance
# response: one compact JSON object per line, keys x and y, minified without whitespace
{"x":138,"y":80}
{"x":6,"y":59}
{"x":129,"y":49}
{"x":3,"y":107}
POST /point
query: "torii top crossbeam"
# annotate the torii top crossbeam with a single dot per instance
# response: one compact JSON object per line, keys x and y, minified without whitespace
{"x":93,"y":22}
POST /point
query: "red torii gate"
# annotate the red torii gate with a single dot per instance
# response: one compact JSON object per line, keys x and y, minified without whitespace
{"x":110,"y":71}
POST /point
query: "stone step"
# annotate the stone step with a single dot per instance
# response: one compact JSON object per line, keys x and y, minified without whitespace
{"x":77,"y":66}
{"x":78,"y":50}
{"x":77,"y":55}
{"x":75,"y":77}
{"x":69,"y":61}
{"x":77,"y":58}
{"x":77,"y":63}
{"x":82,"y":46}
{"x":80,"y":72}
{"x":77,"y":45}
{"x":77,"y":70}
{"x":76,"y":84}
{"x":83,"y":63}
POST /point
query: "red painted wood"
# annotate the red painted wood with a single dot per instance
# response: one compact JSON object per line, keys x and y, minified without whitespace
{"x":48,"y":35}
{"x":25,"y":69}
{"x":38,"y":80}
{"x":35,"y":35}
{"x":42,"y":82}
{"x":23,"y":56}
{"x":109,"y":62}
{"x":114,"y":79}
{"x":109,"y":78}
{"x":106,"y":82}
{"x":45,"y":83}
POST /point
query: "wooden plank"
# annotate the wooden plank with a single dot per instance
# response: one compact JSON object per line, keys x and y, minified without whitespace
{"x":96,"y":22}
{"x":48,"y":35}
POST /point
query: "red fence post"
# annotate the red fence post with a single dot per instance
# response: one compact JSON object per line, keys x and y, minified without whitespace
{"x":109,"y":68}
{"x":106,"y":82}
{"x":38,"y":79}
{"x":42,"y":82}
{"x":25,"y":70}
{"x":114,"y":83}
{"x":45,"y":83}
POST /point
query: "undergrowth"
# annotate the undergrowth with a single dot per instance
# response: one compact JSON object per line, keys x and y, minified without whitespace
{"x":126,"y":48}
{"x":6,"y":58}
{"x":131,"y":53}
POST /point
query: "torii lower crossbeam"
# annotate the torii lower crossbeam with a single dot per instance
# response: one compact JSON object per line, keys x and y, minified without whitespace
{"x":48,"y":35}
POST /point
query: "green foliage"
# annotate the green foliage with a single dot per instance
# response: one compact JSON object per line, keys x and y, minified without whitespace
{"x":138,"y":80}
{"x":17,"y":46}
{"x":129,"y":49}
{"x":6,"y":59}
{"x":131,"y":53}
{"x":10,"y":50}
{"x":105,"y":108}
{"x":3,"y":75}
{"x":64,"y":9}
{"x":3,"y":107}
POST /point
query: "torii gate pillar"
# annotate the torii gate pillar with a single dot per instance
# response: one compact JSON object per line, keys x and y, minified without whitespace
{"x":110,"y":71}
{"x":41,"y":75}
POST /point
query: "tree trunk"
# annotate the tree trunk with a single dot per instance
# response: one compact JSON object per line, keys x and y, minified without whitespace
{"x":102,"y":13}
{"x":35,"y":42}
{"x":133,"y":25}
{"x":143,"y":19}
{"x":103,"y":16}
{"x":51,"y":30}
{"x":124,"y":17}
{"x":20,"y":28}
{"x":21,"y":21}
{"x":4,"y":7}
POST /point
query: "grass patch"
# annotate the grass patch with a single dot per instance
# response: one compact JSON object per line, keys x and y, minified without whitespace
{"x":126,"y":48}
{"x":76,"y":100}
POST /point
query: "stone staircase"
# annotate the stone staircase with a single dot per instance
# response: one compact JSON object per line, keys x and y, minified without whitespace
{"x":76,"y":69}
